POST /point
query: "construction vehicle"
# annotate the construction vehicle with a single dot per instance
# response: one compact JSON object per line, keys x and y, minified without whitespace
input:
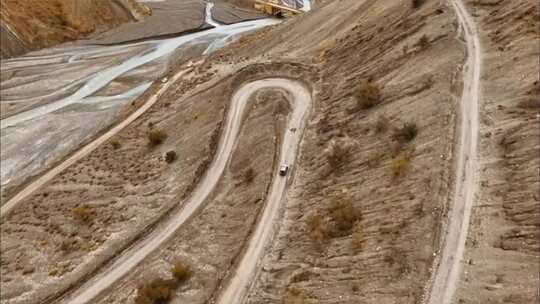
{"x":276,"y":8}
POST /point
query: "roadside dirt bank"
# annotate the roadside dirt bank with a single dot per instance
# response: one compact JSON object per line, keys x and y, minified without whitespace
{"x":502,"y":255}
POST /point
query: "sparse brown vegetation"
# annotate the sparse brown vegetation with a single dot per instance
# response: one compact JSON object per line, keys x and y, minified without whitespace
{"x":82,"y":213}
{"x":249,"y":175}
{"x":181,"y":271}
{"x":161,"y":290}
{"x":417,"y":3}
{"x":423,"y":42}
{"x":400,"y":165}
{"x":115,"y":144}
{"x":344,"y":215}
{"x":156,"y":137}
{"x":369,"y":95}
{"x":170,"y":156}
{"x":338,"y":153}
{"x":317,"y":227}
{"x":156,"y":291}
{"x":406,"y":133}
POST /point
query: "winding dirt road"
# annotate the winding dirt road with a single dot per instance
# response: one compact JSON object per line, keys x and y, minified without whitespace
{"x":446,"y":275}
{"x":130,"y":259}
{"x":240,"y":281}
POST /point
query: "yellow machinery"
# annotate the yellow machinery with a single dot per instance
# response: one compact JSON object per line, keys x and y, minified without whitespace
{"x":274,"y":8}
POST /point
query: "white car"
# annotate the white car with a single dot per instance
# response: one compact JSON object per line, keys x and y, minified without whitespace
{"x":283,"y":170}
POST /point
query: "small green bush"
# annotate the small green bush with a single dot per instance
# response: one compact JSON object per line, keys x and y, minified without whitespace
{"x":156,"y":137}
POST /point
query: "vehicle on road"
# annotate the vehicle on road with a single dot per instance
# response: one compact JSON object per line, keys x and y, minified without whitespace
{"x":283,"y":169}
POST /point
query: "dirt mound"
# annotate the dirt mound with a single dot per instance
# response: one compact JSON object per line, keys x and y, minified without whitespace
{"x":33,"y":24}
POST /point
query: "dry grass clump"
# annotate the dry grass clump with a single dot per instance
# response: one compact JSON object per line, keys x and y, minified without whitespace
{"x":115,"y":144}
{"x":156,"y":137}
{"x":423,"y":42}
{"x":417,"y":3}
{"x":400,"y":165}
{"x":406,"y":133}
{"x":249,"y":175}
{"x":170,"y":156}
{"x":159,"y":290}
{"x":338,"y":153}
{"x":369,"y":95}
{"x":344,"y":215}
{"x":181,"y":271}
{"x":82,"y":213}
{"x":317,"y":227}
{"x":156,"y":291}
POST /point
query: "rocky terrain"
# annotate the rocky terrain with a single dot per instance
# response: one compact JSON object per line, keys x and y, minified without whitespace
{"x":362,"y":220}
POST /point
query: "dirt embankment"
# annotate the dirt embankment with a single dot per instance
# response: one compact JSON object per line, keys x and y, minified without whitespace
{"x":502,"y":257}
{"x":362,"y":219}
{"x":32,"y":24}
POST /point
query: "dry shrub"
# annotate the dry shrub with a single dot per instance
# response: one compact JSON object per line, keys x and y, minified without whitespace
{"x":156,"y":291}
{"x":156,"y":137}
{"x":417,"y":3}
{"x":115,"y":144}
{"x":82,"y":213}
{"x":369,"y":95}
{"x":317,"y":227}
{"x":400,"y":165}
{"x":170,"y":156}
{"x":344,"y":215}
{"x":249,"y":175}
{"x":406,"y":133}
{"x":338,"y":153}
{"x":423,"y":42}
{"x":181,"y":271}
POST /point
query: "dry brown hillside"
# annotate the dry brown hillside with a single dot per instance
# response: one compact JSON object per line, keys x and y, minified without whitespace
{"x":33,"y":24}
{"x":503,"y":247}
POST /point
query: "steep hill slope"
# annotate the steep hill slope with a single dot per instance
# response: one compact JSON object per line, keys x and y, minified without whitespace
{"x":30,"y":25}
{"x":502,"y":256}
